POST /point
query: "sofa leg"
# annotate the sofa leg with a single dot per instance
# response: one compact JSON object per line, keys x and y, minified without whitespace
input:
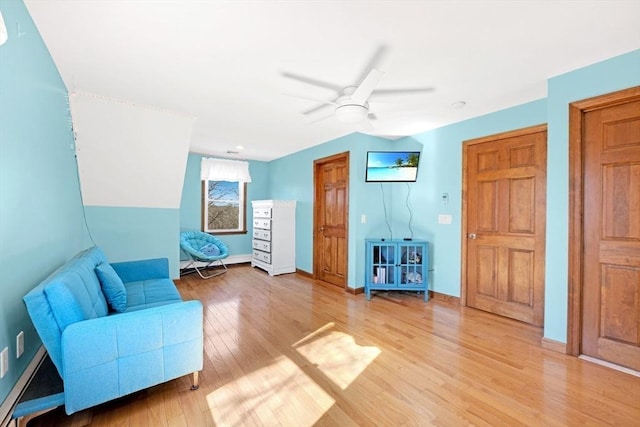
{"x":196,"y":382}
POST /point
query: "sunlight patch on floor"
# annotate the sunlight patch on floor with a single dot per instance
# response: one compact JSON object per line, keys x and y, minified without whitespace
{"x":336,"y":354}
{"x":280,"y":392}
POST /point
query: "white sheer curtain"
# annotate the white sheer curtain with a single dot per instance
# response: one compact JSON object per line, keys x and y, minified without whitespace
{"x":224,"y":170}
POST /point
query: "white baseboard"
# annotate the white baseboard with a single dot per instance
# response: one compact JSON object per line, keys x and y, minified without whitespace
{"x":231,"y":259}
{"x":6,"y":409}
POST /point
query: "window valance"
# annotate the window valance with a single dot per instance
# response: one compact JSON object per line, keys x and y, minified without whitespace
{"x":224,"y":170}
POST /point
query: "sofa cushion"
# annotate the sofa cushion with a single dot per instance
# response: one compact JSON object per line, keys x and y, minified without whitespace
{"x":73,"y":289}
{"x":151,"y":293}
{"x":112,"y":287}
{"x":74,"y":293}
{"x":64,"y":305}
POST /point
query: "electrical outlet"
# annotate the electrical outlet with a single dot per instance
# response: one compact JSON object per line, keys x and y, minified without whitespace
{"x":4,"y":362}
{"x":19,"y":344}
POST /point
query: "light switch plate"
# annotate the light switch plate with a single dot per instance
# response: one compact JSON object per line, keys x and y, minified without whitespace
{"x":444,"y":219}
{"x":19,"y":344}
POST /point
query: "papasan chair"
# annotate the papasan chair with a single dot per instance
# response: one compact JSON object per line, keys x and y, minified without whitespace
{"x":205,"y":248}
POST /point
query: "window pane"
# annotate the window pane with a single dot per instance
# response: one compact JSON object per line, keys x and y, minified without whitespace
{"x":224,"y":206}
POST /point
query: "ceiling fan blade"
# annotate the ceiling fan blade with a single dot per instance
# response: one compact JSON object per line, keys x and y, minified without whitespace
{"x":310,"y":98}
{"x":362,"y":92}
{"x":312,"y":81}
{"x":317,"y":108}
{"x":323,"y":103}
{"x":319,"y":119}
{"x":380,"y":93}
{"x":375,"y":62}
{"x":386,"y":107}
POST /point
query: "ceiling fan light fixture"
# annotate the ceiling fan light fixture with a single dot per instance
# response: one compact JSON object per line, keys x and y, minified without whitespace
{"x":351,"y":113}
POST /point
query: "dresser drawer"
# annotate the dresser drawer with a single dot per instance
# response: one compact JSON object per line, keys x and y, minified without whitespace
{"x":261,"y":234}
{"x":262,"y":213}
{"x":262,"y":245}
{"x":262,"y":223}
{"x":262,"y":256}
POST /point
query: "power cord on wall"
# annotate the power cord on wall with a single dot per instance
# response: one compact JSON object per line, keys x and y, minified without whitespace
{"x":410,"y":211}
{"x":84,"y":213}
{"x":75,"y":156}
{"x":384,"y":206}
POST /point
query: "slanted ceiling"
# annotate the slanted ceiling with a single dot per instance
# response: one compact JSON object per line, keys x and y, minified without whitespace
{"x":129,"y":156}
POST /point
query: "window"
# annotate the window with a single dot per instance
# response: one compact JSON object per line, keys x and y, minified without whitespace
{"x":224,"y":207}
{"x":224,"y":186}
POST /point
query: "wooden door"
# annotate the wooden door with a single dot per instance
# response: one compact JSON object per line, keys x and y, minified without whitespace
{"x":504,"y":223}
{"x":611,"y":287}
{"x":331,"y":184}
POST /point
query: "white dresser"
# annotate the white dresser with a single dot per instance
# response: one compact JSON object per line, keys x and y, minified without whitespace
{"x":274,"y":236}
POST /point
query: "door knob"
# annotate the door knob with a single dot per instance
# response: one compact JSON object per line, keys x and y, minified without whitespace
{"x":472,"y":236}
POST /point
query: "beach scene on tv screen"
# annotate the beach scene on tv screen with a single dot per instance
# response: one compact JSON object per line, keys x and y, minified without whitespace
{"x":392,"y":166}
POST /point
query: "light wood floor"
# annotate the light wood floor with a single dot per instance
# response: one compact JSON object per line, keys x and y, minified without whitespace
{"x":288,"y":351}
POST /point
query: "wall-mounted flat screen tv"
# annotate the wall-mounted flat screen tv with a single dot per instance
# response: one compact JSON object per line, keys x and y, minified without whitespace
{"x":392,"y":166}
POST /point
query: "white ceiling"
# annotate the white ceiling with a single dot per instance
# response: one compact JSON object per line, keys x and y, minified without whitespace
{"x":222,"y":61}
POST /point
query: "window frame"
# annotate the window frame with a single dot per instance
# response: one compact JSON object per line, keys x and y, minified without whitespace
{"x":242,"y":214}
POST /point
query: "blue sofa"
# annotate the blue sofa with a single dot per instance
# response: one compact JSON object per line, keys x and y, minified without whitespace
{"x":101,"y":354}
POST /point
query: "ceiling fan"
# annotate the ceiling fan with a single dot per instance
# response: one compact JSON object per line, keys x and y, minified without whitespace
{"x":353,"y":103}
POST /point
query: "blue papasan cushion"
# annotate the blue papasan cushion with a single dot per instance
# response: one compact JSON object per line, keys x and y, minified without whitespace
{"x":210,"y":250}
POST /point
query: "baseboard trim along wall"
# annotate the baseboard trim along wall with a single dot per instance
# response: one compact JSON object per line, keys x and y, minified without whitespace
{"x":355,"y":291}
{"x":16,"y":392}
{"x":304,"y":273}
{"x":554,"y":345}
{"x":445,"y":298}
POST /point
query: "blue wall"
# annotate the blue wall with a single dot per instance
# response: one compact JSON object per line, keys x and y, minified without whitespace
{"x":126,"y":233}
{"x":608,"y":76}
{"x":41,"y":223}
{"x":441,"y":172}
{"x":291,"y":178}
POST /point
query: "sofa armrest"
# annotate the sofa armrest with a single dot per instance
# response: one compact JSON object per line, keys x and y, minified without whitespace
{"x":133,"y":271}
{"x":109,"y":357}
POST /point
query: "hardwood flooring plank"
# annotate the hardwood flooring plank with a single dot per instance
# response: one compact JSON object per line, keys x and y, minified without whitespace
{"x":292,"y":351}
